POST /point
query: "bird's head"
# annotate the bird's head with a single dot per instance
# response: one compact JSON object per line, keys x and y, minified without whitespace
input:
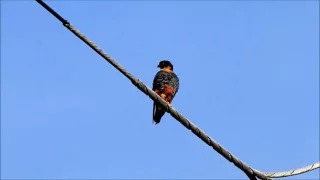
{"x":165,"y":64}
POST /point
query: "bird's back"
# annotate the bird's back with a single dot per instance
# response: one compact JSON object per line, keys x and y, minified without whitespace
{"x":164,"y":77}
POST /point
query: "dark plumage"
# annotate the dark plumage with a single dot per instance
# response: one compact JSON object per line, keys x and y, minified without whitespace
{"x":169,"y":78}
{"x":166,"y":85}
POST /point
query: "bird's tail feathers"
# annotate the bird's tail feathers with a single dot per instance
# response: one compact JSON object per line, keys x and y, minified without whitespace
{"x":158,"y":112}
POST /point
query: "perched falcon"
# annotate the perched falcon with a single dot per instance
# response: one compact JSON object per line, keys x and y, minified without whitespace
{"x":166,"y":85}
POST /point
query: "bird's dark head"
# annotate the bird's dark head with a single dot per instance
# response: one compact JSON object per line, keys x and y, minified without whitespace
{"x":165,"y":64}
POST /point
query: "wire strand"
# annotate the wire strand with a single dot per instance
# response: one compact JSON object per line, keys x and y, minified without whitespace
{"x":292,"y":172}
{"x":250,"y":172}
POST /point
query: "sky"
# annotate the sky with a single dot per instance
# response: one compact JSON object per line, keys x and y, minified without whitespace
{"x":249,"y":77}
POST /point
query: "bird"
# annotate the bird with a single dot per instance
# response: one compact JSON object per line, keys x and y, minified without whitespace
{"x":166,"y":85}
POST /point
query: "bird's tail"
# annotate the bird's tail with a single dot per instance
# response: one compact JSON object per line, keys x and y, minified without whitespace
{"x":158,"y":112}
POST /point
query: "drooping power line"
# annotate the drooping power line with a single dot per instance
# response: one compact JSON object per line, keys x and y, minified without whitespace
{"x":250,"y":172}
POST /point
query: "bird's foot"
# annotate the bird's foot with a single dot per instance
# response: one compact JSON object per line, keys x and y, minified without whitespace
{"x":169,"y":104}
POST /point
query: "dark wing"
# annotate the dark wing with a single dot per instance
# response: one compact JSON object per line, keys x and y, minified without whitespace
{"x":174,"y":82}
{"x":159,"y":81}
{"x":157,"y":86}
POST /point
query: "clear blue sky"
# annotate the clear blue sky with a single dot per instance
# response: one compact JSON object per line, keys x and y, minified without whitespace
{"x":249,"y":74}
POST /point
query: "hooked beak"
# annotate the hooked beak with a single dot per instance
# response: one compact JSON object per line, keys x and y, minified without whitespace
{"x":158,"y":66}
